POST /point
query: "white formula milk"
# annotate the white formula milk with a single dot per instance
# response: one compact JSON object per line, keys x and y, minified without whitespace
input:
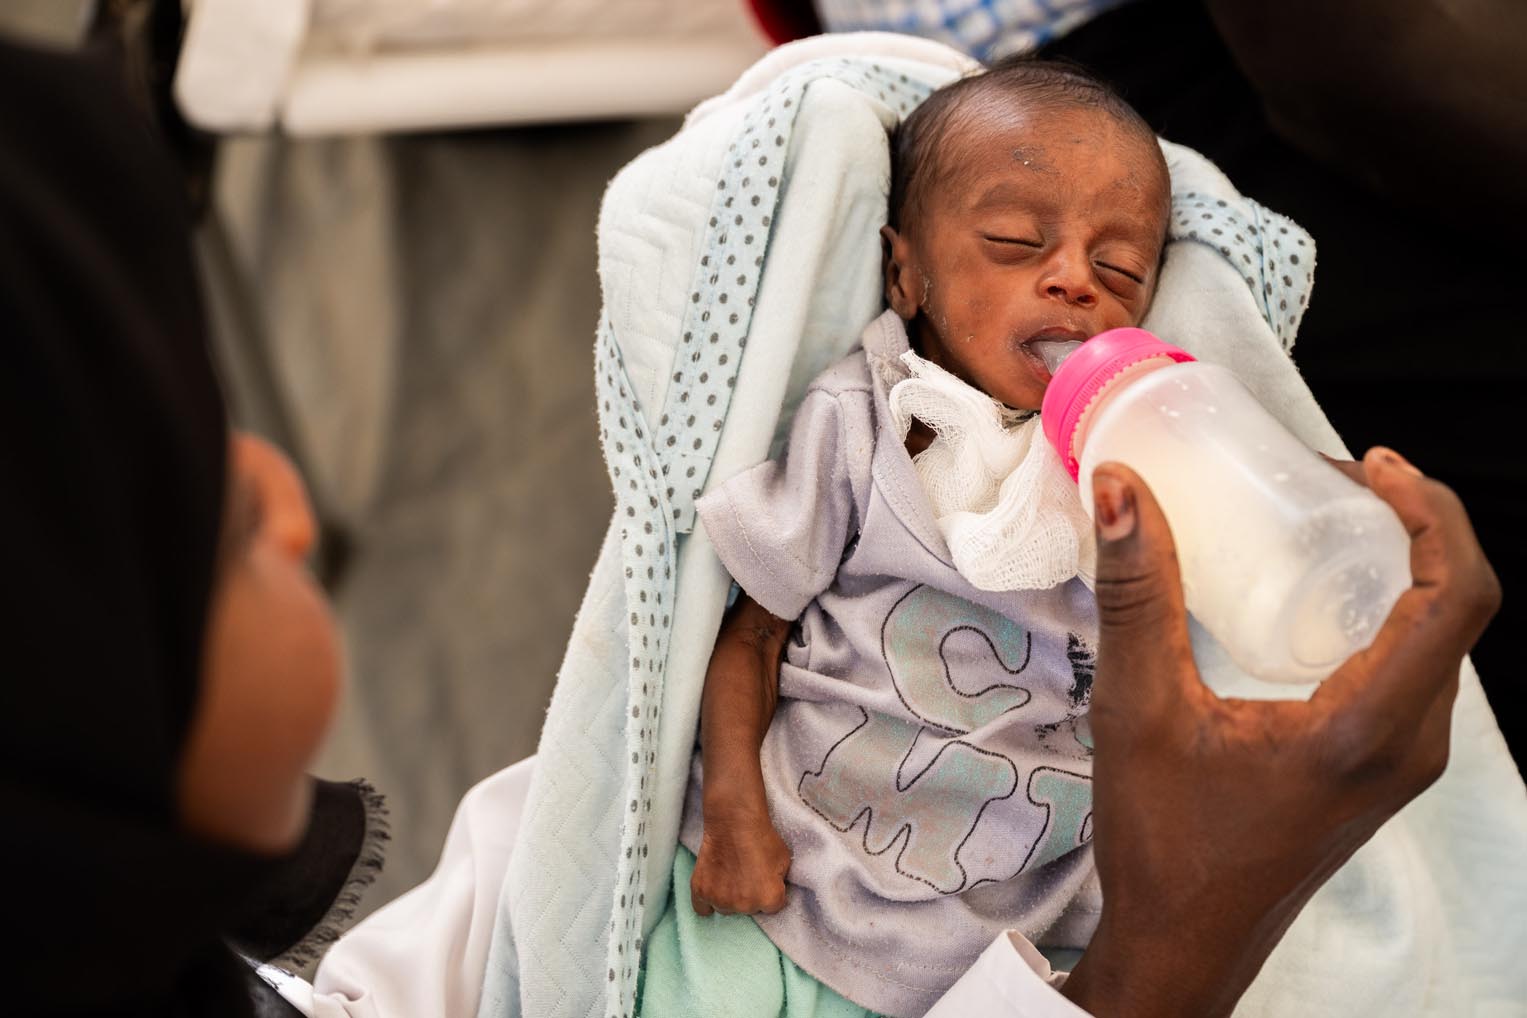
{"x":1288,"y":563}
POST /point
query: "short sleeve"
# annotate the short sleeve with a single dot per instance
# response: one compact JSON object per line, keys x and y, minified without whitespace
{"x":780,"y":528}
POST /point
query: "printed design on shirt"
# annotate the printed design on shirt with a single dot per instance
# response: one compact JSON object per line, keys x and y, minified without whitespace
{"x":1066,"y":798}
{"x":922,"y":789}
{"x":1083,"y":661}
{"x":926,"y":814}
{"x":932,"y":640}
{"x":942,"y":653}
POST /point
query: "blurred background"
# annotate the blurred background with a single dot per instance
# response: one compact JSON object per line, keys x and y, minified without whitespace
{"x":411,"y":314}
{"x":399,"y":201}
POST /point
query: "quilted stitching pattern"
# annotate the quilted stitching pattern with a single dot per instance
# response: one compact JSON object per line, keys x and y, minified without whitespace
{"x":726,"y":277}
{"x":579,"y":837}
{"x":552,"y":934}
{"x":593,"y":802}
{"x":659,"y":470}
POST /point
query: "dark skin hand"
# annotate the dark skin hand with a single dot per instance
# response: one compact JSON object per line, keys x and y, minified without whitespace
{"x":1200,"y":880}
{"x":1217,"y":819}
{"x":742,"y":861}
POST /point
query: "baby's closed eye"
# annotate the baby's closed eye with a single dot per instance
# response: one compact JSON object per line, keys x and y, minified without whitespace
{"x":1114,"y":269}
{"x":1012,"y":241}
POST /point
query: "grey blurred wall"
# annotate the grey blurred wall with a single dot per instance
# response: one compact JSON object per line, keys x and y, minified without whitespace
{"x":426,"y":309}
{"x":413,"y":318}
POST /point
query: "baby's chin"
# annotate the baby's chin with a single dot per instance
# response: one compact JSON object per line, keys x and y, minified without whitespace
{"x":1024,"y":400}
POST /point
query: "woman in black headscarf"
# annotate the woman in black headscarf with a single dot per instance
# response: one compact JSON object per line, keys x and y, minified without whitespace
{"x":170,"y":669}
{"x":169,"y":666}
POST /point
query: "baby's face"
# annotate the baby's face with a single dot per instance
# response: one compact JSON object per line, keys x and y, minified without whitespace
{"x":1044,"y":226}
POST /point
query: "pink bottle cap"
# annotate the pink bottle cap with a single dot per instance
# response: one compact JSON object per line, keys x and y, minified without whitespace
{"x":1083,"y":375}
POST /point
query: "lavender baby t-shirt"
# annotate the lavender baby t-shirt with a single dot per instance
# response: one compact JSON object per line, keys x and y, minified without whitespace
{"x":929,"y":763}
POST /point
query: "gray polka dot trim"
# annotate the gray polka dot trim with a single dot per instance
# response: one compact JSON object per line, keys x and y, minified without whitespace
{"x":732,"y":256}
{"x":648,"y":553}
{"x":1272,"y":253}
{"x":658,"y":465}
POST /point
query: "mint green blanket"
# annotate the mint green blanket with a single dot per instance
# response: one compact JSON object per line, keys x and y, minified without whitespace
{"x":699,"y":967}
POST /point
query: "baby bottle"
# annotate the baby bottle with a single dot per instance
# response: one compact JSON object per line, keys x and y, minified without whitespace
{"x":1289,"y":564}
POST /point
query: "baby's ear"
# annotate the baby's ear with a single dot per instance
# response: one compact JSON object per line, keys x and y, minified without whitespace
{"x":902,"y":288}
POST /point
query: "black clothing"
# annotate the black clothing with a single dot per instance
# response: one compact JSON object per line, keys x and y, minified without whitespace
{"x":112,"y":474}
{"x":1411,"y":337}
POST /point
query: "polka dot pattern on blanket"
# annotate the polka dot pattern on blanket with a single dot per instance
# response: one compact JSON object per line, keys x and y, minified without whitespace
{"x":725,"y":283}
{"x":659,"y":467}
{"x":659,"y":464}
{"x":1272,"y":253}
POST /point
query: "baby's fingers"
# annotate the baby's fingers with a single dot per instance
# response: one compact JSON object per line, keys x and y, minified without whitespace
{"x":734,"y":898}
{"x":773,"y":899}
{"x":698,"y":899}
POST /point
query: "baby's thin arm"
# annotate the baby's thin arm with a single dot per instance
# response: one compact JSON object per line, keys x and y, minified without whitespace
{"x":741,"y":689}
{"x":742,"y":862}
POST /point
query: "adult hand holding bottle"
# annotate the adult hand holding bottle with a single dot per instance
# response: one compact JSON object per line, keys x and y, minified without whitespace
{"x":1217,"y":819}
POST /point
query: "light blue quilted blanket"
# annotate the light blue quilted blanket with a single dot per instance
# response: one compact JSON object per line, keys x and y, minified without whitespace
{"x":739,"y":259}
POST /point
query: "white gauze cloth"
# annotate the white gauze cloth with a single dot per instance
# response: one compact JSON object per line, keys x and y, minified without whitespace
{"x":1011,"y":515}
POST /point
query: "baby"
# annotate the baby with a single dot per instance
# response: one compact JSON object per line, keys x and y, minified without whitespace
{"x":896,"y":763}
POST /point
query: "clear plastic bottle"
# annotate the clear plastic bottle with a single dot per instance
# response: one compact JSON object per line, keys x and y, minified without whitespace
{"x":1292,"y":566}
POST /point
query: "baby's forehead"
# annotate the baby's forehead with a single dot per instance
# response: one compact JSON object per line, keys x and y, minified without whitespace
{"x":1050,"y":141}
{"x":1033,"y":132}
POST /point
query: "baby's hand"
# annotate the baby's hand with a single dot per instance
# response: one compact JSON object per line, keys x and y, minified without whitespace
{"x":741,"y":867}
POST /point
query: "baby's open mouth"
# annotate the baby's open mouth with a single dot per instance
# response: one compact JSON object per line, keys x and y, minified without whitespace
{"x":1049,"y":346}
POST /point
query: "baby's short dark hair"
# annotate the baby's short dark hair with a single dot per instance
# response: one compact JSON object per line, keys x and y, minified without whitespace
{"x":1040,"y":84}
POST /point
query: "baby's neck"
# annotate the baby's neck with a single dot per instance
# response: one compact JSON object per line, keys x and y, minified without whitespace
{"x":919,"y":437}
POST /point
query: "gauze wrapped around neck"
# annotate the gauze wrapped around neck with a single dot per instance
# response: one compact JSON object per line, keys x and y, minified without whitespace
{"x":1010,"y":514}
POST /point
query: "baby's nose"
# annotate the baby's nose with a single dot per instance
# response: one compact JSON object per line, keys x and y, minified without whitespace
{"x":1072,"y":292}
{"x":1068,"y":278}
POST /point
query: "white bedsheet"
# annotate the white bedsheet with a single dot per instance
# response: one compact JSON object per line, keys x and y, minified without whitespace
{"x":426,"y":952}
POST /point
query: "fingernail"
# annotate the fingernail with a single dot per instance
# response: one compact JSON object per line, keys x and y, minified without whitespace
{"x":1394,"y":459}
{"x":1114,"y":505}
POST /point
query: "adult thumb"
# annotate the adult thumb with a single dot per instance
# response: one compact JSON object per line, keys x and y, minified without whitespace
{"x":1142,"y":619}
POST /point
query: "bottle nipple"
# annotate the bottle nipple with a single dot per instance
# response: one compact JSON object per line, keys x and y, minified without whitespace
{"x":1055,"y":351}
{"x":1079,"y":374}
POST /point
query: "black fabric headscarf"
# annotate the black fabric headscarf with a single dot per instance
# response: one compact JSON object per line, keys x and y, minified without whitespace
{"x":112,"y":476}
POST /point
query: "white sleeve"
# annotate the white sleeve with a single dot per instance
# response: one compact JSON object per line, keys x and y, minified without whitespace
{"x":1010,"y":980}
{"x":426,"y":952}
